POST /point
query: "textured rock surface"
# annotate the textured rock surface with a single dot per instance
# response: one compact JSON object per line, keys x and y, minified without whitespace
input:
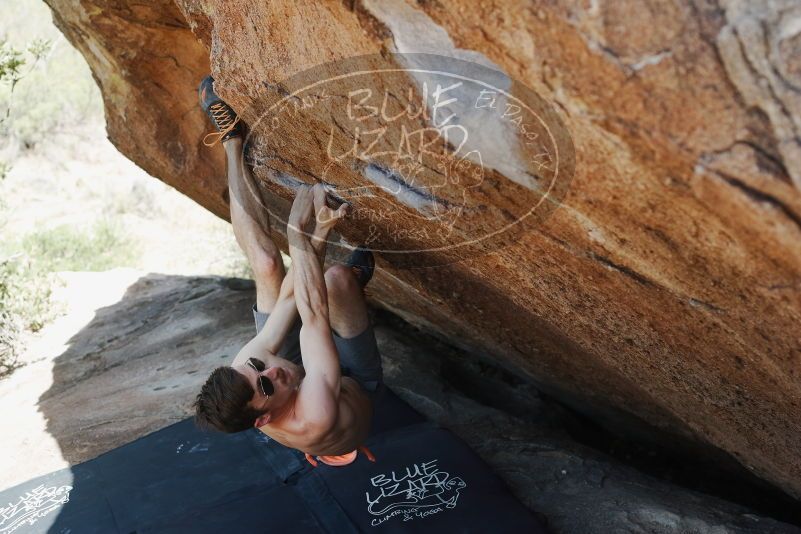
{"x":667,"y":285}
{"x":132,"y":372}
{"x":575,"y":488}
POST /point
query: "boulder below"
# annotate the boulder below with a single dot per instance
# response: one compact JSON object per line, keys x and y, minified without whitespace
{"x":663,"y":288}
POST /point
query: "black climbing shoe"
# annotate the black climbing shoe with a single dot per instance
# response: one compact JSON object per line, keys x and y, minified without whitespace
{"x":222,"y":116}
{"x":362,"y":262}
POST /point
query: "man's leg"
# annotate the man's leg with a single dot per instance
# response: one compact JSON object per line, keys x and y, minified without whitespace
{"x":250,"y":220}
{"x":353,"y":334}
{"x":251,"y":234}
{"x":347,"y":307}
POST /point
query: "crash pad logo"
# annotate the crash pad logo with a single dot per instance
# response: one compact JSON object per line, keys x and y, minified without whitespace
{"x":33,"y":505}
{"x":419,"y":491}
{"x":441,"y":159}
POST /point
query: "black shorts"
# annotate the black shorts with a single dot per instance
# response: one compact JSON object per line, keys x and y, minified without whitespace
{"x":359,"y":358}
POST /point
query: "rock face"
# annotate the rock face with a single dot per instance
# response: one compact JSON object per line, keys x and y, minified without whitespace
{"x":132,"y":372}
{"x":665,"y":284}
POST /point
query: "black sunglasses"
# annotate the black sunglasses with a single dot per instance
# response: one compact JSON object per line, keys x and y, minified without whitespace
{"x":265,"y":385}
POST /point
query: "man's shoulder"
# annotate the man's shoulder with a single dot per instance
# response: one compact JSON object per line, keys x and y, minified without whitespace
{"x":295,"y":428}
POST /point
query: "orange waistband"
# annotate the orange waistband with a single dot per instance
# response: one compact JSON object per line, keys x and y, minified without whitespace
{"x":341,"y":459}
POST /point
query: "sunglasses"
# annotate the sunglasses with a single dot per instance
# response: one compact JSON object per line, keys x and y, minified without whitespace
{"x":265,"y":385}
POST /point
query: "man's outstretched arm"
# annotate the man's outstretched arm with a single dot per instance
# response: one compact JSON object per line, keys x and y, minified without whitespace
{"x":319,"y":393}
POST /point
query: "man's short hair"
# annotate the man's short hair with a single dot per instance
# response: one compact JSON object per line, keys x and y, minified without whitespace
{"x":222,"y":403}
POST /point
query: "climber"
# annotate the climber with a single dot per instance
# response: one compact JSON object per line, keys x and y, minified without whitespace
{"x":307,"y":382}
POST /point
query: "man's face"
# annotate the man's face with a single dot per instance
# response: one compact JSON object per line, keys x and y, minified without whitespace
{"x":285,"y":379}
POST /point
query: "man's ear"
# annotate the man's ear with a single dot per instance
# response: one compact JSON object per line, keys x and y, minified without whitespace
{"x":262,"y":420}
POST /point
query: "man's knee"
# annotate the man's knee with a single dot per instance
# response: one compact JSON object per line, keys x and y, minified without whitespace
{"x":340,"y":280}
{"x":267,"y":265}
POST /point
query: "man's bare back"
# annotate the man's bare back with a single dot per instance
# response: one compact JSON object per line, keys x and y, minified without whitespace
{"x":349,"y":431}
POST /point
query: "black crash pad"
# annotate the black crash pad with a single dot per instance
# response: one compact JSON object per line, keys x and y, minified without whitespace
{"x":182,"y":480}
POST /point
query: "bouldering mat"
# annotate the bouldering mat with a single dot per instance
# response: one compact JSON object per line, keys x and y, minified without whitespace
{"x":181,"y":479}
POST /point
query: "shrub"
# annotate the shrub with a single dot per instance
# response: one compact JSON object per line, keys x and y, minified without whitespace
{"x":64,"y":248}
{"x":24,"y":305}
{"x":26,"y":277}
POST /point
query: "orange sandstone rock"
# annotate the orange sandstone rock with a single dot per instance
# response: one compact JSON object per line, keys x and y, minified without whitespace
{"x":666,"y":284}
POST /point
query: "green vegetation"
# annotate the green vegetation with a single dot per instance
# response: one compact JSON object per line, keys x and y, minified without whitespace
{"x":10,"y":62}
{"x":16,"y":65}
{"x":45,"y":89}
{"x":26,"y":276}
{"x":65,"y":248}
{"x":24,"y":306}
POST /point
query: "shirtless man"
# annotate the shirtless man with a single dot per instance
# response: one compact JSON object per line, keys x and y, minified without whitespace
{"x":288,"y":380}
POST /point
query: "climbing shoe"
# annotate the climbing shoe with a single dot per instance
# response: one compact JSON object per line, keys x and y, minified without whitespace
{"x":222,"y":116}
{"x":362,"y":262}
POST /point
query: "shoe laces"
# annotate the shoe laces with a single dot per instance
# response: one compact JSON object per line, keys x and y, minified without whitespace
{"x":224,"y":119}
